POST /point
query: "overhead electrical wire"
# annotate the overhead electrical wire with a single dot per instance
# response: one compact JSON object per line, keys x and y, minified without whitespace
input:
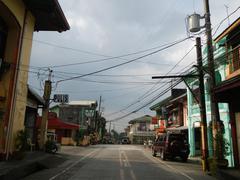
{"x":137,"y":101}
{"x":152,"y":100}
{"x":120,"y":64}
{"x":151,"y":91}
{"x":107,"y":57}
{"x":222,"y":21}
{"x":146,"y":104}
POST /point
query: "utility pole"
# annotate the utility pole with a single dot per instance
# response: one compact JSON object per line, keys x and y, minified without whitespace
{"x":202,"y":106}
{"x":99,"y":123}
{"x":44,"y":122}
{"x":110,"y":127}
{"x":99,"y":108}
{"x":211,"y":70}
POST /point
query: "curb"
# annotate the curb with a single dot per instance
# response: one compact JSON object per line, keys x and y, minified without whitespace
{"x":21,"y":171}
{"x":28,"y":168}
{"x":227,"y":174}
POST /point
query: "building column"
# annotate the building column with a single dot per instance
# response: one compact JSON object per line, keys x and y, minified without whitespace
{"x":234,"y":135}
{"x":191,"y":139}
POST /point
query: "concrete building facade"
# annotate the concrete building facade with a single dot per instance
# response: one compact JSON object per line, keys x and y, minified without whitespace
{"x":18,"y":20}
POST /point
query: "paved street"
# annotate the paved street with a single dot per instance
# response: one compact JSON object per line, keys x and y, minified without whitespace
{"x":123,"y":162}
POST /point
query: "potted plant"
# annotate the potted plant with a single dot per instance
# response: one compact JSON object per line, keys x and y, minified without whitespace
{"x":21,"y":145}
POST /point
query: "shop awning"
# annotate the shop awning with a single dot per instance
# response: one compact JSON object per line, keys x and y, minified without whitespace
{"x":56,"y":123}
{"x":180,"y":128}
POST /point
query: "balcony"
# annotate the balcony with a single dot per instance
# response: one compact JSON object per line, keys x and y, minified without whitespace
{"x":233,"y":67}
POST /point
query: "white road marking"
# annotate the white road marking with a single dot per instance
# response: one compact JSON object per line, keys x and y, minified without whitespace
{"x":124,"y":161}
{"x":169,"y":166}
{"x":120,"y":158}
{"x":122,"y":174}
{"x":132,"y":175}
{"x":72,"y":165}
{"x":121,"y":165}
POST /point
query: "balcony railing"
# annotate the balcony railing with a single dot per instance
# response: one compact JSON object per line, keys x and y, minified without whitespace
{"x":234,"y":60}
{"x":231,"y":59}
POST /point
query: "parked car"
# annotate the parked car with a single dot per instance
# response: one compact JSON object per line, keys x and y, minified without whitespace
{"x":125,"y":141}
{"x":171,"y":145}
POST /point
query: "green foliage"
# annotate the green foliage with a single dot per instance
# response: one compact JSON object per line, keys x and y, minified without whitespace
{"x":224,"y":143}
{"x":21,"y":143}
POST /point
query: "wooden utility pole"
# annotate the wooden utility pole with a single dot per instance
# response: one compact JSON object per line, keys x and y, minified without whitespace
{"x":211,"y":70}
{"x":44,"y":122}
{"x":202,"y":106}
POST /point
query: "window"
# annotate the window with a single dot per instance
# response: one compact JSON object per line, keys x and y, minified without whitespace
{"x":3,"y":37}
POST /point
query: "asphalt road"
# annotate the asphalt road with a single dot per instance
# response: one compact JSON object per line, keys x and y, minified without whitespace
{"x":118,"y":162}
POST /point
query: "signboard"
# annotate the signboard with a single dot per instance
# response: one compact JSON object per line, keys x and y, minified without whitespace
{"x":89,"y":113}
{"x":154,"y":120}
{"x":61,"y":98}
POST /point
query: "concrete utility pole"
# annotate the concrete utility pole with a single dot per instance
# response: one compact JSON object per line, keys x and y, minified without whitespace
{"x":211,"y":70}
{"x":99,"y":123}
{"x":99,"y":108}
{"x":202,"y":106}
{"x":110,"y":127}
{"x":44,"y":122}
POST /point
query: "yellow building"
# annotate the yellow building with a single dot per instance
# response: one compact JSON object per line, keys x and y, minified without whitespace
{"x":18,"y":20}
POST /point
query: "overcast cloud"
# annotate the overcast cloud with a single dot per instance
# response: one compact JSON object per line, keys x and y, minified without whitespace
{"x":113,"y":28}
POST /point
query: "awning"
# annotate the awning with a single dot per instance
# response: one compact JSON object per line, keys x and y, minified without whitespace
{"x":228,"y":90}
{"x":56,"y":123}
{"x":180,"y":128}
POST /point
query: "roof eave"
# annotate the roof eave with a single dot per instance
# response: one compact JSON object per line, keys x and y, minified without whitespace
{"x":48,"y":14}
{"x":228,"y":30}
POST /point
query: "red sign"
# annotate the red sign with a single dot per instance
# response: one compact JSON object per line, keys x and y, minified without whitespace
{"x":154,"y":120}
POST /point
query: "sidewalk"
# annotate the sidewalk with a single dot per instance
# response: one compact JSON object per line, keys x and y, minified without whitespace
{"x":32,"y":162}
{"x":222,"y":174}
{"x":196,"y":160}
{"x":229,"y":173}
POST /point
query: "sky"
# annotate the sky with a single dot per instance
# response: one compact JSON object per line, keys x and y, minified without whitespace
{"x":107,"y":33}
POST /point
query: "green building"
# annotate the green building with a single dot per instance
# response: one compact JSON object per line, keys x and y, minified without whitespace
{"x":194,"y":130}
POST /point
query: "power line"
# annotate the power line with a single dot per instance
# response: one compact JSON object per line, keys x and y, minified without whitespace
{"x":147,"y":103}
{"x":225,"y":19}
{"x":112,"y":67}
{"x":107,"y":57}
{"x":150,"y":92}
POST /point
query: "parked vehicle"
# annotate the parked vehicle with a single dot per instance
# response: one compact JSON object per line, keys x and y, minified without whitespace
{"x":125,"y":141}
{"x":171,"y":145}
{"x":51,"y":145}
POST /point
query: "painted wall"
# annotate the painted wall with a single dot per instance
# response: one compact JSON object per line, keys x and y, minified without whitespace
{"x":194,"y":111}
{"x":15,"y":53}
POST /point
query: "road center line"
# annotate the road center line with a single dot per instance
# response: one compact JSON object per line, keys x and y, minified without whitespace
{"x":74,"y":164}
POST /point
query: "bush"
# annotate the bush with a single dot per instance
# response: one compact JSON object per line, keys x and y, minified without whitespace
{"x":21,"y":143}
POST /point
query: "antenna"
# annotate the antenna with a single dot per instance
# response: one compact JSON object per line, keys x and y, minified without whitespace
{"x":227,"y":13}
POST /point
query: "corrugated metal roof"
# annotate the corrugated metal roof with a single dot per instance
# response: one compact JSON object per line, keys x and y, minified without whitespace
{"x":232,"y":26}
{"x":145,"y":118}
{"x":83,"y":102}
{"x":35,"y":95}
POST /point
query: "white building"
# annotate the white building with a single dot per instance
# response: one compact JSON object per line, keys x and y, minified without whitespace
{"x":141,"y":129}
